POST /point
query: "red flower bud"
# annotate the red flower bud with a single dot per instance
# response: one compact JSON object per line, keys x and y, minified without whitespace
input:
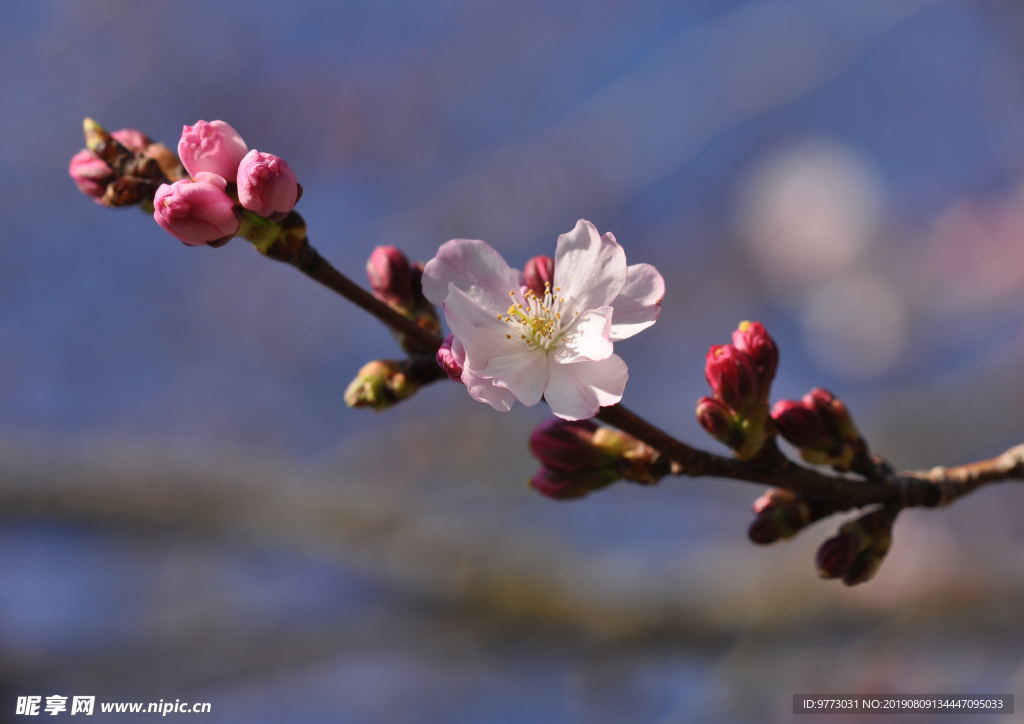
{"x":732,"y":377}
{"x":803,"y":426}
{"x":390,"y":276}
{"x":540,"y":270}
{"x":753,"y":339}
{"x":717,"y":420}
{"x":821,"y":427}
{"x":833,"y":412}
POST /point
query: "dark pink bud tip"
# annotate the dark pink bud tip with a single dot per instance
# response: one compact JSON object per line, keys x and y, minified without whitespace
{"x":732,"y":377}
{"x":753,"y":339}
{"x":539,"y":274}
{"x":390,"y":276}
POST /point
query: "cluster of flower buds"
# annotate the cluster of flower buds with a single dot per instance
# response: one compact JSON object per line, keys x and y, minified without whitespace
{"x":740,"y":375}
{"x":780,"y":514}
{"x":399,"y":284}
{"x":578,"y":457}
{"x":821,"y":427}
{"x":218,"y":189}
{"x":122,"y":168}
{"x":232,"y":191}
{"x":856,"y":552}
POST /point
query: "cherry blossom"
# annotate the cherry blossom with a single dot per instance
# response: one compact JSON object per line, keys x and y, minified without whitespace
{"x":516,"y":344}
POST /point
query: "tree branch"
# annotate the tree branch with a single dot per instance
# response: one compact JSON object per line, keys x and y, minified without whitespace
{"x":307,"y":260}
{"x":929,"y":488}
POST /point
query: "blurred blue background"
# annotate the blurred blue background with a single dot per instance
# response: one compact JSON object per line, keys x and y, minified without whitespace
{"x":192,"y":512}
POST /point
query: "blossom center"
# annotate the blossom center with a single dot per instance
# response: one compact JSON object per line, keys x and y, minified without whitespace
{"x":539,"y":320}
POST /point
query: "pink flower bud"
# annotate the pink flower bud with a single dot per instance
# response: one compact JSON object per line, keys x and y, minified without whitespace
{"x":214,"y":147}
{"x":390,"y":277}
{"x":540,"y":270}
{"x":732,"y":377}
{"x":717,"y":420}
{"x":197,"y":213}
{"x":89,"y":173}
{"x":753,"y":339}
{"x":132,"y":139}
{"x":266,"y":184}
{"x":448,"y":361}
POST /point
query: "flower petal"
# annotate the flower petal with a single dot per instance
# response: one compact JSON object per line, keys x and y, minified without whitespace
{"x":524,"y":374}
{"x":473,"y":267}
{"x":639,"y":303}
{"x":482,"y":333}
{"x":483,"y":389}
{"x":587,"y":339}
{"x":480,"y":388}
{"x":578,"y":391}
{"x":590,"y":270}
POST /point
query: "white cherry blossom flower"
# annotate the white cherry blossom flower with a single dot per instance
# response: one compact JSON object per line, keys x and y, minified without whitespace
{"x":514,"y":344}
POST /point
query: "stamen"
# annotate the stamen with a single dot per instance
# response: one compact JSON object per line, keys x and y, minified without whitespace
{"x":539,"y":318}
